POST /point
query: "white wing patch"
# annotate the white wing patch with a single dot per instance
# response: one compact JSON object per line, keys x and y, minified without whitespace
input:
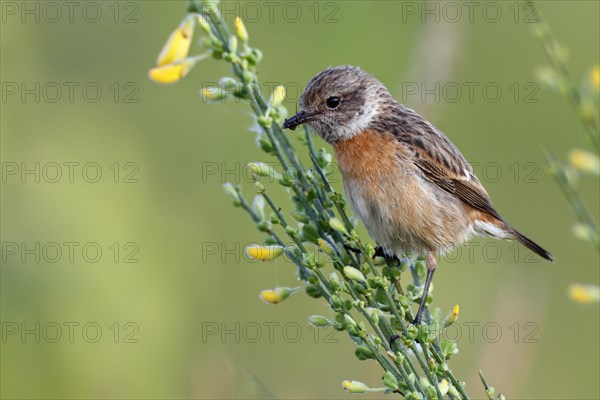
{"x":485,"y":228}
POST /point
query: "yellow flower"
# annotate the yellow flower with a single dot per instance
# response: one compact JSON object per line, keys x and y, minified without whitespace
{"x":584,"y":294}
{"x":174,"y":72}
{"x":264,"y":253}
{"x":595,"y":77}
{"x":443,"y":386}
{"x":275,"y":296}
{"x":355,"y":387}
{"x":277,"y":96}
{"x":585,"y":161}
{"x":325,"y":247}
{"x":178,"y":45}
{"x":452,"y":316}
{"x":240,"y":29}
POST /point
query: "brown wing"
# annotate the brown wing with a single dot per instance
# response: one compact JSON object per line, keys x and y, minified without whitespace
{"x":443,"y":164}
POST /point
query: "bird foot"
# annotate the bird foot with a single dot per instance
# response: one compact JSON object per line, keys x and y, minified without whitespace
{"x":380,"y":252}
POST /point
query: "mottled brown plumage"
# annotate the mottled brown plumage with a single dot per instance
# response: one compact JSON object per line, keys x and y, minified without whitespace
{"x":408,"y":183}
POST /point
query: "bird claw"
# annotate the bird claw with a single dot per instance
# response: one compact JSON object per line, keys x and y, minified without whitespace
{"x":380,"y":252}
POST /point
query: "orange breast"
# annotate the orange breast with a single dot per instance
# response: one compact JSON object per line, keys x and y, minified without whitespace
{"x":367,"y":155}
{"x":397,"y":205}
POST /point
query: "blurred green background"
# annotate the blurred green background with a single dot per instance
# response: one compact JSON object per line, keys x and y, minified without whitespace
{"x":185,"y":321}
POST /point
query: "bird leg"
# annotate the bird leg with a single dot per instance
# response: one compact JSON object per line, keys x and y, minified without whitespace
{"x":431,"y":262}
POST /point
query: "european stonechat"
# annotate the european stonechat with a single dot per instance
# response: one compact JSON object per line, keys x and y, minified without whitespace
{"x":408,"y":183}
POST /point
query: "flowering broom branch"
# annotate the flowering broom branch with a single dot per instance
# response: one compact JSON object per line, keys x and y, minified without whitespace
{"x":585,"y":100}
{"x":364,"y":292}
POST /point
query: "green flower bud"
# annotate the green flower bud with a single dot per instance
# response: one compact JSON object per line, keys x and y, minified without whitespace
{"x":354,"y":274}
{"x":449,"y":348}
{"x":232,"y":194}
{"x":233,"y":44}
{"x":258,"y":205}
{"x":389,"y":380}
{"x":324,"y":158}
{"x":413,"y":396}
{"x":213,"y":94}
{"x":314,"y":291}
{"x":229,"y":84}
{"x":374,"y":314}
{"x":265,"y":144}
{"x":309,"y":233}
{"x":318,"y":321}
{"x":204,"y":24}
{"x":453,"y":392}
{"x":308,"y":260}
{"x":334,"y":282}
{"x":420,"y":269}
{"x":249,"y":77}
{"x":336,"y":303}
{"x":412,"y":332}
{"x":260,"y":188}
{"x":265,"y":121}
{"x":262,"y":169}
{"x":337,"y":225}
{"x":300,"y":217}
{"x":257,"y":55}
{"x":349,"y":320}
{"x":375,"y":282}
{"x":364,"y":353}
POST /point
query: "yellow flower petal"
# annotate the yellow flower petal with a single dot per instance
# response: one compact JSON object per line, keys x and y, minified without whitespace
{"x":278,"y":96}
{"x":264,"y":253}
{"x":240,"y":29}
{"x":275,"y":296}
{"x":355,"y":387}
{"x":171,"y":73}
{"x":178,"y":45}
{"x":443,"y":386}
{"x":452,"y":316}
{"x":584,"y":294}
{"x":585,"y":161}
{"x":595,"y":77}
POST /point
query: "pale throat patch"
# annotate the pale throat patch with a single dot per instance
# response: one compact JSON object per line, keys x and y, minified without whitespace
{"x":361,"y":121}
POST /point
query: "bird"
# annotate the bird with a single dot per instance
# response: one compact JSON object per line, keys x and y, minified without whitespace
{"x":411,"y":187}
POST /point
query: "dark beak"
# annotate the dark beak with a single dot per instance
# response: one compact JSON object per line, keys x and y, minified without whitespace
{"x":298,"y":119}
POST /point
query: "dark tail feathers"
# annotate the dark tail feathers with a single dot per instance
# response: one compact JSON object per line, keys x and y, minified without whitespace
{"x":531,"y":245}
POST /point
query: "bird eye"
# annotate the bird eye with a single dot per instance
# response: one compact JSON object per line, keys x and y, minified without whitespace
{"x":333,"y":102}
